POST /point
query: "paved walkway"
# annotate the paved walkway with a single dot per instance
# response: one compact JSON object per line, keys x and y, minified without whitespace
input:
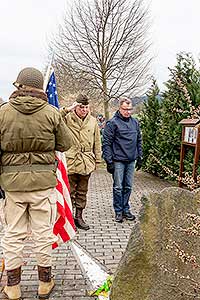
{"x":105,"y":241}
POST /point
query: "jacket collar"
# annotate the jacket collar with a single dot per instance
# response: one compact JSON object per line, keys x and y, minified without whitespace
{"x":28,"y":101}
{"x":36,"y":93}
{"x":80,"y":121}
{"x":118,"y":115}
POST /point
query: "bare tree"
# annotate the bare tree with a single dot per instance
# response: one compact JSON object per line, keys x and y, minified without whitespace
{"x":70,"y":84}
{"x":105,"y":41}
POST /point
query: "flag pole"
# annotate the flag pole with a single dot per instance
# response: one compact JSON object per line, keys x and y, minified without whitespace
{"x":48,"y":72}
{"x":64,"y":227}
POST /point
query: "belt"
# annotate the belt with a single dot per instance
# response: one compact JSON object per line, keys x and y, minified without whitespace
{"x":28,"y":168}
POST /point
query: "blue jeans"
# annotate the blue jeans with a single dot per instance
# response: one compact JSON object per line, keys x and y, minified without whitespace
{"x":122,"y":185}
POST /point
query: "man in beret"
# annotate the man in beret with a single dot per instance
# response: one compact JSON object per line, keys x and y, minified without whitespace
{"x":84,"y":154}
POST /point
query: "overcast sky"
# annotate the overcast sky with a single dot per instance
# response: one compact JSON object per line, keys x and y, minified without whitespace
{"x":27,"y":26}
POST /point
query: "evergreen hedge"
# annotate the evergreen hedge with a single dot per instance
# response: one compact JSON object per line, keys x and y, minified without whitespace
{"x":161,"y":116}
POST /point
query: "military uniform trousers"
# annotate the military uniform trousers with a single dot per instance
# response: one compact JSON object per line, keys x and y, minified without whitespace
{"x":37,"y":211}
{"x":78,"y":189}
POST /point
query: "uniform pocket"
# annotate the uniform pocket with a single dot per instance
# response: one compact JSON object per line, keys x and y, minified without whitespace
{"x":3,"y":212}
{"x":53,"y":205}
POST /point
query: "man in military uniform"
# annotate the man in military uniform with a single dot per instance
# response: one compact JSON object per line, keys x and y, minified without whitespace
{"x":31,"y":130}
{"x":84,"y":154}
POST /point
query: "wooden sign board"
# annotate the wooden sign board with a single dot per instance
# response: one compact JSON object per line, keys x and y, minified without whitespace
{"x":190,"y":137}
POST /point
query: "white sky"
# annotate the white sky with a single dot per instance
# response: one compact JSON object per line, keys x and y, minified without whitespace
{"x":176,"y":26}
{"x":27,"y":25}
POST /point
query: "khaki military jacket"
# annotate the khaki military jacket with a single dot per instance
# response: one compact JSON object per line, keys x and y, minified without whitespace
{"x":85,"y":151}
{"x":30,"y":132}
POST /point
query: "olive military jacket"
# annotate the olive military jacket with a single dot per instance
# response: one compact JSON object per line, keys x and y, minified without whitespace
{"x":31,"y":130}
{"x":85,"y":151}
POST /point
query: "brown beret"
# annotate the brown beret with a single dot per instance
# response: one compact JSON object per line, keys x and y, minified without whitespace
{"x":82,"y":99}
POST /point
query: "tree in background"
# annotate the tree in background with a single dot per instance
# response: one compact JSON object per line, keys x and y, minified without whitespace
{"x":177,"y":106}
{"x":180,"y":101}
{"x":150,"y":125}
{"x":69,"y":85}
{"x":105,"y":42}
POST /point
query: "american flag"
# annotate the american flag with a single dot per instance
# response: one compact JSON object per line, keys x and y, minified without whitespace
{"x":51,"y":90}
{"x":64,"y":227}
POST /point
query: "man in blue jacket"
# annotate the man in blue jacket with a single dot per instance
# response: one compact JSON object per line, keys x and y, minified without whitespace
{"x":122,"y":151}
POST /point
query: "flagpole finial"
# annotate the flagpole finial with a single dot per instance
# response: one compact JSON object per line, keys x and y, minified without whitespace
{"x":49,"y":71}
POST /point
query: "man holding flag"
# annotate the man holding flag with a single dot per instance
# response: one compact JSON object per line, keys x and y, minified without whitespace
{"x":31,"y":131}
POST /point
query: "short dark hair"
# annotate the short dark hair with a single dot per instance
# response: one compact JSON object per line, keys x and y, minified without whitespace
{"x":124,"y":100}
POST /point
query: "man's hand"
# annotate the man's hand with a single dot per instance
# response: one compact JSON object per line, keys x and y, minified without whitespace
{"x":138,"y":164}
{"x":2,"y":194}
{"x":65,"y":110}
{"x":110,"y":168}
{"x":73,"y":106}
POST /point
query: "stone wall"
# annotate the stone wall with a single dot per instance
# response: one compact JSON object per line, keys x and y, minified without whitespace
{"x":162,"y":258}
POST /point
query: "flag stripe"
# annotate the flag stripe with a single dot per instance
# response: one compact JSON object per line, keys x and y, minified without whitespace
{"x":63,"y":169}
{"x":64,"y":227}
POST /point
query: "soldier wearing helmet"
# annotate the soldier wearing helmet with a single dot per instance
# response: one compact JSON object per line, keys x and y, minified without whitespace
{"x":31,"y":130}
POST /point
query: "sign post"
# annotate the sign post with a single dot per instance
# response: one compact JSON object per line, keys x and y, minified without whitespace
{"x":190,"y":138}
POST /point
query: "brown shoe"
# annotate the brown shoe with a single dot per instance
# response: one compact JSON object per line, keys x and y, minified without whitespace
{"x":12,"y":290}
{"x":45,"y":289}
{"x":79,"y":222}
{"x":46,"y":282}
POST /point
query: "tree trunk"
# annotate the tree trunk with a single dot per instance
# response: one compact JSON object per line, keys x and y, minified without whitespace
{"x":106,"y":109}
{"x":105,"y":97}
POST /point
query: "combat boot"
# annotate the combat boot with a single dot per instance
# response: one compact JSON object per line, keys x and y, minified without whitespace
{"x":12,"y":290}
{"x":46,"y":282}
{"x":79,"y":222}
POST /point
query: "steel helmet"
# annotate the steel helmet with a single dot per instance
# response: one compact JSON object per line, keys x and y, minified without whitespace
{"x":30,"y":77}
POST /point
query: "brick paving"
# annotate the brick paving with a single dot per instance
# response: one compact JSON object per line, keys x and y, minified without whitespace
{"x":105,"y":241}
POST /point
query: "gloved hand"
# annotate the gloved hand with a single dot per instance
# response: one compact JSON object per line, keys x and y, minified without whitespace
{"x":110,"y":168}
{"x":138,"y":164}
{"x":2,"y":194}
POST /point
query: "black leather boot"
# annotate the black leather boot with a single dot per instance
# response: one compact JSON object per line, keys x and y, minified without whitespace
{"x":79,"y":222}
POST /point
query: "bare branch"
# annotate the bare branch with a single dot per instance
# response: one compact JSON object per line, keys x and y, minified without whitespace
{"x":107,"y":40}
